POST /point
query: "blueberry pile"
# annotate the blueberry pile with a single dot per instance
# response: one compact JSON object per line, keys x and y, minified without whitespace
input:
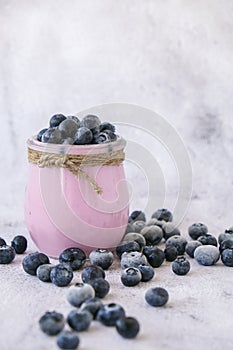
{"x":8,"y":252}
{"x":71,"y":130}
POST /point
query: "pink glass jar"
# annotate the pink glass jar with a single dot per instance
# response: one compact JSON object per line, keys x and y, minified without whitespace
{"x":63,"y":210}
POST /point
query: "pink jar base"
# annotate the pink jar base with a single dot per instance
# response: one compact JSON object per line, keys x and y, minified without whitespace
{"x":64,"y":211}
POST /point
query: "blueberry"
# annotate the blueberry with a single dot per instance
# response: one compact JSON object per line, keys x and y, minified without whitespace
{"x":206,"y":255}
{"x":132,"y":259}
{"x":101,"y":257}
{"x":91,"y":272}
{"x":2,"y":241}
{"x":152,"y":234}
{"x":162,"y":214}
{"x":56,"y":119}
{"x":169,"y":230}
{"x":79,"y":293}
{"x":137,"y":237}
{"x":138,"y":225}
{"x":127,"y":327}
{"x":131,"y":246}
{"x":196,"y":230}
{"x":154,"y":255}
{"x":68,"y":128}
{"x":227,"y":257}
{"x":178,"y":242}
{"x":103,"y":137}
{"x":40,"y":134}
{"x":52,"y":135}
{"x":19,"y":244}
{"x":83,"y":136}
{"x":74,"y":256}
{"x":131,"y":276}
{"x":74,"y":118}
{"x":52,"y":323}
{"x":32,"y":261}
{"x":7,"y":254}
{"x":68,"y":340}
{"x":181,"y":266}
{"x":137,"y":215}
{"x":92,"y":305}
{"x":147,"y":272}
{"x":101,"y":287}
{"x":129,"y":228}
{"x":61,"y":275}
{"x":110,"y":313}
{"x":91,"y":122}
{"x":107,"y":126}
{"x":170,"y":253}
{"x":226,"y":244}
{"x":156,"y":296}
{"x":43,"y":272}
{"x":223,"y":236}
{"x":79,"y":321}
{"x":191,"y":246}
{"x":208,"y":240}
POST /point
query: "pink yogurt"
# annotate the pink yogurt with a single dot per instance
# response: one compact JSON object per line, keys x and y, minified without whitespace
{"x":63,"y":211}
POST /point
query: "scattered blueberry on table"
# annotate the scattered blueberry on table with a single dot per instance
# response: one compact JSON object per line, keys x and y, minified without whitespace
{"x":181,"y":266}
{"x":52,"y":322}
{"x":79,"y":293}
{"x":157,"y":296}
{"x":68,"y":340}
{"x":7,"y":254}
{"x":79,"y":320}
{"x":101,"y":257}
{"x":61,"y":275}
{"x":110,"y":313}
{"x":19,"y":243}
{"x":131,"y":276}
{"x":127,"y":327}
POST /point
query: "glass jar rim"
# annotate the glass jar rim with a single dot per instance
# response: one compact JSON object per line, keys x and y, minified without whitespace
{"x":33,"y":143}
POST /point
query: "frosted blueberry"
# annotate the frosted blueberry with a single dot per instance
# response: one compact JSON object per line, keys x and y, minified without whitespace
{"x":226,"y":244}
{"x":79,"y":293}
{"x":132,"y":259}
{"x":206,"y":255}
{"x":134,"y":236}
{"x":91,"y":122}
{"x":101,"y":257}
{"x":43,"y":272}
{"x":40,"y":133}
{"x":170,"y":253}
{"x":107,"y":126}
{"x":138,"y":225}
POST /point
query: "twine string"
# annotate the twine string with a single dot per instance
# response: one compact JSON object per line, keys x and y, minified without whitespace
{"x":75,"y":162}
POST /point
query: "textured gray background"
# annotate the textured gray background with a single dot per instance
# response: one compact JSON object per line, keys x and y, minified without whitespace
{"x":174,"y":57}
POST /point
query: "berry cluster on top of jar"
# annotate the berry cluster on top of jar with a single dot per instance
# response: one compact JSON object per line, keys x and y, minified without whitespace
{"x":71,"y":130}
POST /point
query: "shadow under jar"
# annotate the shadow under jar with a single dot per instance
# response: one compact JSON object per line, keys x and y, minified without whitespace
{"x":76,"y":196}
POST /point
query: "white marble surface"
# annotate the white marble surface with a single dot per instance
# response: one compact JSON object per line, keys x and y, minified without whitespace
{"x":174,"y":57}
